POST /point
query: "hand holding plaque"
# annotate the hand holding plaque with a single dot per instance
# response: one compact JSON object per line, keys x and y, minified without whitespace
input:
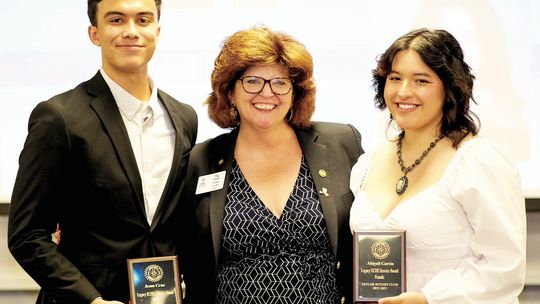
{"x":379,"y":265}
{"x":154,"y":280}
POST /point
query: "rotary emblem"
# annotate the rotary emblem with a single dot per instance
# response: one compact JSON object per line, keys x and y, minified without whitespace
{"x":153,"y":273}
{"x":380,"y":249}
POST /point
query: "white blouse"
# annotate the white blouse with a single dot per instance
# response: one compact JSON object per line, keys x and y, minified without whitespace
{"x":465,"y":234}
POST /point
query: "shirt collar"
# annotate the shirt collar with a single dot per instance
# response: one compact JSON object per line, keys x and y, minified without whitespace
{"x":128,"y":104}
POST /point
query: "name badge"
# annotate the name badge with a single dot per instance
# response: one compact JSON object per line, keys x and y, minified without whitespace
{"x":210,"y":182}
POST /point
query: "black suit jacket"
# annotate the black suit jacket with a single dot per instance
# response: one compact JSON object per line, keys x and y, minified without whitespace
{"x":331,"y":147}
{"x":77,"y":169}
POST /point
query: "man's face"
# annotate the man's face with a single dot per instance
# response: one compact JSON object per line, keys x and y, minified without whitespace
{"x":127,"y":32}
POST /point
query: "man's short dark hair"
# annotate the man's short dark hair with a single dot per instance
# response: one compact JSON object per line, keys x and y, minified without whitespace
{"x":92,"y":10}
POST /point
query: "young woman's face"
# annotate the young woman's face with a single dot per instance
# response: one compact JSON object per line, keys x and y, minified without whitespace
{"x":414,"y":93}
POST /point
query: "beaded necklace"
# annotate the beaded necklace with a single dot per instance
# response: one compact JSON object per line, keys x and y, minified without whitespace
{"x":403,"y":182}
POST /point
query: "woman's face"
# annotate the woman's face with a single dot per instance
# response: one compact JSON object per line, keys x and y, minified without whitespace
{"x":414,"y":93}
{"x":265,"y":109}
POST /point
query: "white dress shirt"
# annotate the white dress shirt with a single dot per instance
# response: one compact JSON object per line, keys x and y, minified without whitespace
{"x":152,"y":136}
{"x":466,"y":234}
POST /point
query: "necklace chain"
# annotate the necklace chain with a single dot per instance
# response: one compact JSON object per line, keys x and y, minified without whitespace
{"x":403,"y":182}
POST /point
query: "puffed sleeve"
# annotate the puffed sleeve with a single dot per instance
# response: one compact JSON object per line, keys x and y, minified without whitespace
{"x":358,"y":173}
{"x":488,"y":187}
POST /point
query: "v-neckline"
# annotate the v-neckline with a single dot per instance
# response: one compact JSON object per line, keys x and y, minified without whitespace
{"x":370,"y":204}
{"x":261,"y":202}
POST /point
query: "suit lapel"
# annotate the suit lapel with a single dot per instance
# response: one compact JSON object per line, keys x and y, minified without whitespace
{"x":179,"y":148}
{"x":221,"y":160}
{"x":107,"y":110}
{"x":217,"y":213}
{"x":316,"y":155}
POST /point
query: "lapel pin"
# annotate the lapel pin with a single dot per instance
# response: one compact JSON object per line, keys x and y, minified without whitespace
{"x":324,"y":191}
{"x":322,"y":173}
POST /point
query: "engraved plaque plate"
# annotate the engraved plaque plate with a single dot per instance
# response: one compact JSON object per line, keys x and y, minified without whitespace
{"x":154,"y":280}
{"x":378,"y":265}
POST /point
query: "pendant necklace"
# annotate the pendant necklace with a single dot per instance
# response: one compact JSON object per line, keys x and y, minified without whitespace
{"x":403,"y":182}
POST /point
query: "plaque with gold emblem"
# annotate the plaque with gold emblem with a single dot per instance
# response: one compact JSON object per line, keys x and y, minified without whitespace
{"x":378,"y":265}
{"x":154,"y":280}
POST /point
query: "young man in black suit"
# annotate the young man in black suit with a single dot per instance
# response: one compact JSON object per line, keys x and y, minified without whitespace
{"x":105,"y":161}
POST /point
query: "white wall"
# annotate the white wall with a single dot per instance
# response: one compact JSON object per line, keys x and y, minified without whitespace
{"x":45,"y":50}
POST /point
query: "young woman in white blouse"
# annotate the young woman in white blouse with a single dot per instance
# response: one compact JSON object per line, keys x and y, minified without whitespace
{"x":457,"y":196}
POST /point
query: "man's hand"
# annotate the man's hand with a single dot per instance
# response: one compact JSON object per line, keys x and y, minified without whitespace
{"x":57,"y":235}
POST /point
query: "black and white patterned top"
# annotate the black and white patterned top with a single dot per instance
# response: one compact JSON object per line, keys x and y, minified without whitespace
{"x":269,"y":260}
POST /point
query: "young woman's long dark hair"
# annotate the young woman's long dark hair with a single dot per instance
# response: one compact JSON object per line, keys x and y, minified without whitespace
{"x":443,"y":54}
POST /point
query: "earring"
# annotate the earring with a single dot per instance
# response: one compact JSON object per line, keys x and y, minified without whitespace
{"x":392,"y":129}
{"x":233,"y":113}
{"x":290,"y":115}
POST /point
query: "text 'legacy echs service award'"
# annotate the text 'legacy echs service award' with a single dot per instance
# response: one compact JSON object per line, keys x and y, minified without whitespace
{"x":378,"y":265}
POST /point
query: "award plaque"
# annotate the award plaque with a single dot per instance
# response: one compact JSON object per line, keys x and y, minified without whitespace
{"x":154,"y":280}
{"x":378,"y":265}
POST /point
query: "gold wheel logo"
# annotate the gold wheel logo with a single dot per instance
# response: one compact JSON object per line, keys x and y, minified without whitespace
{"x":380,"y":249}
{"x":153,"y":273}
